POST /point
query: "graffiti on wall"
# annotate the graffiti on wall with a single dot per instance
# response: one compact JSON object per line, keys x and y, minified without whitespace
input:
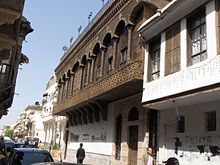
{"x":200,"y":144}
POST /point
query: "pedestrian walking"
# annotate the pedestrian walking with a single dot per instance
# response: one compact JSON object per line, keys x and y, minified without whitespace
{"x":80,"y":154}
{"x":147,"y":158}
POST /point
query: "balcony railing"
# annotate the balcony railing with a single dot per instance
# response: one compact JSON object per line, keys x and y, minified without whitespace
{"x":197,"y":76}
{"x":131,"y":72}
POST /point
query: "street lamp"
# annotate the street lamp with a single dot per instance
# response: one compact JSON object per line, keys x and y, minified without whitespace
{"x":103,"y":2}
{"x":90,"y":14}
{"x":79,"y":29}
{"x":71,"y":40}
{"x":64,"y":48}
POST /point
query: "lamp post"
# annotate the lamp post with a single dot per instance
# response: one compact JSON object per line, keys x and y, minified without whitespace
{"x":90,"y":14}
{"x":79,"y":29}
{"x":64,"y":48}
{"x":71,"y":40}
{"x":103,"y":2}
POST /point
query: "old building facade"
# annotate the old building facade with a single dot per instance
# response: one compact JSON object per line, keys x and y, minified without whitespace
{"x":29,"y":123}
{"x":53,"y":125}
{"x":100,"y":80}
{"x":13,"y":29}
{"x":182,"y":79}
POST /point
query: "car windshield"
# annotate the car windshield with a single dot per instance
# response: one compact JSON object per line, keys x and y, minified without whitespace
{"x":27,"y":158}
{"x":19,"y":145}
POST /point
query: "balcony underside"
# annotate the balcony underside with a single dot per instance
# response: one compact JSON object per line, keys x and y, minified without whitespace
{"x":95,"y":97}
{"x":10,"y":10}
{"x":189,"y":98}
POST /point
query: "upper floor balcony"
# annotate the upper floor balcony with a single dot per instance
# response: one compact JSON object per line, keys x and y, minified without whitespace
{"x":10,"y":10}
{"x":122,"y":83}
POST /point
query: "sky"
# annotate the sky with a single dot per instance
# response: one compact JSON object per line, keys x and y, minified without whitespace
{"x":54,"y":23}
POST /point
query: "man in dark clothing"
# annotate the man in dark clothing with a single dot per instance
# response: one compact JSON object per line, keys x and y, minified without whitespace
{"x":80,"y":154}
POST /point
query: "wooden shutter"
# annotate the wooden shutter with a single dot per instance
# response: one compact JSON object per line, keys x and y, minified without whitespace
{"x":172,"y":54}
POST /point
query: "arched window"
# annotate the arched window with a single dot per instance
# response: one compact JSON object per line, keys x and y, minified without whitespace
{"x":76,"y":77}
{"x":140,"y":13}
{"x":97,"y":69}
{"x":118,"y":132}
{"x":122,"y":53}
{"x":84,"y":72}
{"x":68,"y":83}
{"x":59,"y":90}
{"x":63,"y":87}
{"x":108,"y":43}
{"x":133,"y":114}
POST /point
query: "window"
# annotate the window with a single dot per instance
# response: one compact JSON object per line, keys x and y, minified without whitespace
{"x":133,"y":114}
{"x":124,"y":54}
{"x":4,"y":72}
{"x":5,"y":66}
{"x":85,"y":74}
{"x":98,"y":65}
{"x":172,"y":55}
{"x":181,"y":124}
{"x":197,"y":37}
{"x":109,"y":69}
{"x":155,"y":59}
{"x":210,"y":118}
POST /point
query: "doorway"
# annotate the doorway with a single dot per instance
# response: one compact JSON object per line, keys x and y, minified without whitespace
{"x":133,"y":145}
{"x":66,"y":143}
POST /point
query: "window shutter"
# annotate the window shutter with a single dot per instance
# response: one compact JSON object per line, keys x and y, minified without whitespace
{"x":189,"y":44}
{"x":149,"y":63}
{"x":176,"y":47}
{"x":172,"y":54}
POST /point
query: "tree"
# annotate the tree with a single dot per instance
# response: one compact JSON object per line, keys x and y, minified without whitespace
{"x":9,"y":133}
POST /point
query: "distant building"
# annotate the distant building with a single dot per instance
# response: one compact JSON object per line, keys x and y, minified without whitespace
{"x":182,"y":80}
{"x":29,"y":123}
{"x":53,"y":125}
{"x":13,"y":29}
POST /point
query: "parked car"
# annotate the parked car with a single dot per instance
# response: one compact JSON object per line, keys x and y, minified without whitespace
{"x":19,"y":145}
{"x":9,"y":144}
{"x":28,"y":156}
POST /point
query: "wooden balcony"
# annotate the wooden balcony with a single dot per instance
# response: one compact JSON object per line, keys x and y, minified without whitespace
{"x":120,"y":84}
{"x":10,"y":10}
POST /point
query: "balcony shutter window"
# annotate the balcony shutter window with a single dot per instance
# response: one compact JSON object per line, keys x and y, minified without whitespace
{"x":154,"y":51}
{"x":173,"y":49}
{"x":196,"y":27}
